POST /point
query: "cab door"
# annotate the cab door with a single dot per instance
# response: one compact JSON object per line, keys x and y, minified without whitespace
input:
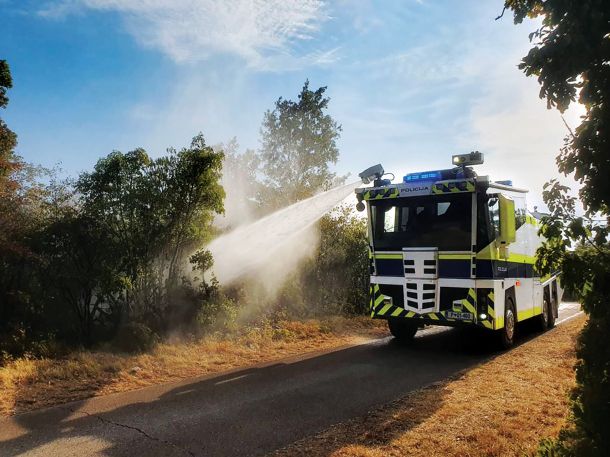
{"x":499,"y":263}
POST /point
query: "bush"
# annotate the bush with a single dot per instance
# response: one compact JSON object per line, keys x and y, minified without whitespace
{"x":549,"y":448}
{"x":335,"y":280}
{"x":586,"y":270}
{"x":20,"y":341}
{"x":135,"y":337}
{"x":218,"y":313}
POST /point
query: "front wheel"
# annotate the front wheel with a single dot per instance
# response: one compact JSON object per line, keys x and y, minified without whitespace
{"x":403,"y":330}
{"x":507,"y":333}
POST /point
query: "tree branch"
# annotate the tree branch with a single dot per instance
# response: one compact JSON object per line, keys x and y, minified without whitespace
{"x":501,"y":14}
{"x":568,"y":127}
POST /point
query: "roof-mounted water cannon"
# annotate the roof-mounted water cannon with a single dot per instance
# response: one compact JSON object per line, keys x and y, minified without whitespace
{"x":472,"y":158}
{"x":462,"y":164}
{"x":373,"y":175}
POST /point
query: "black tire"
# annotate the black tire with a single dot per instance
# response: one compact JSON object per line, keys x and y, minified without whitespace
{"x":403,"y":330}
{"x":544,"y":320}
{"x":552,"y":313}
{"x":508,"y":332}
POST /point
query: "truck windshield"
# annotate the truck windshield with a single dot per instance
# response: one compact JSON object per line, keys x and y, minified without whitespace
{"x":442,"y":221}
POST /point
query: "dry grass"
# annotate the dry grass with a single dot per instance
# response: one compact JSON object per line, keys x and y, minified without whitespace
{"x":501,"y":408}
{"x":30,"y":384}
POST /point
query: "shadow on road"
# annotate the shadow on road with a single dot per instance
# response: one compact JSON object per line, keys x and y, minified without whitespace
{"x":371,"y":430}
{"x":252,"y":411}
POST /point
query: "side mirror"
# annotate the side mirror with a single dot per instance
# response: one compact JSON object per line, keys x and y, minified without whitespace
{"x":508,"y":230}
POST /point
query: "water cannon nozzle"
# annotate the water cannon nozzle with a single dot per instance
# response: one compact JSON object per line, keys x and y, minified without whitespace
{"x":372,"y":174}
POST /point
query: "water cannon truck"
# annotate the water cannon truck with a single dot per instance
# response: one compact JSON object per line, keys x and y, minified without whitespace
{"x":451,"y":248}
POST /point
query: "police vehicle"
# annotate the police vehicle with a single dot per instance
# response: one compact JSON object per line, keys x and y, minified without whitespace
{"x":449,"y":247}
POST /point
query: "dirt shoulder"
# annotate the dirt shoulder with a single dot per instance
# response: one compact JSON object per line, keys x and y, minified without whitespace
{"x":500,"y":408}
{"x":28,"y":384}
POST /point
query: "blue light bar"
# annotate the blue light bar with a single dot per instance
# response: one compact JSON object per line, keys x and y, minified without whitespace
{"x":423,"y":176}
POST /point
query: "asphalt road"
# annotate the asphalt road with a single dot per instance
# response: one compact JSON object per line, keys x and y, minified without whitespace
{"x":251,"y":411}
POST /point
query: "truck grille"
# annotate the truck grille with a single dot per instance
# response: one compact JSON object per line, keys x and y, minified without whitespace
{"x":421,"y":274}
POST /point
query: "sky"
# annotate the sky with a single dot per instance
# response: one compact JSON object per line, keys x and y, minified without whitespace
{"x":411,"y":81}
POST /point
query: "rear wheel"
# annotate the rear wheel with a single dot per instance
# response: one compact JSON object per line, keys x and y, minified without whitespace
{"x":552,"y":313}
{"x":544,"y":318}
{"x":403,"y":330}
{"x":507,"y":333}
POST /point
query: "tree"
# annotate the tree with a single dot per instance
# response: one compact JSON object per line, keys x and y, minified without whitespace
{"x":298,"y":144}
{"x":81,"y":275}
{"x":240,"y":180}
{"x":10,"y":165}
{"x":21,"y":212}
{"x":148,"y":215}
{"x":8,"y":139}
{"x":119,"y":249}
{"x":570,"y":58}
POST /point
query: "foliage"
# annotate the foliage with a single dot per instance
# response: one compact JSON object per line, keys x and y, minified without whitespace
{"x":26,"y":314}
{"x":335,"y":279}
{"x":24,"y":206}
{"x":10,"y":166}
{"x":146,"y":216}
{"x":113,"y":249}
{"x":114,"y":253}
{"x":578,"y":246}
{"x":6,"y":82}
{"x":341,"y":265}
{"x":149,"y":207}
{"x":241,"y":174}
{"x":8,"y":139}
{"x":135,"y":337}
{"x":570,"y":58}
{"x":298,"y":144}
{"x":219,"y":312}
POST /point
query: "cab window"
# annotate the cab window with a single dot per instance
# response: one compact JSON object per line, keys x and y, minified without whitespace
{"x":520,"y":212}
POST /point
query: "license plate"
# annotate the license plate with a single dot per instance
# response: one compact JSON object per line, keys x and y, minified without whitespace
{"x":459,"y":316}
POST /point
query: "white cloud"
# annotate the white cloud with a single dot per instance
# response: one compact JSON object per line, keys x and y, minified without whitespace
{"x":522,"y":138}
{"x":192,"y":30}
{"x":453,"y":92}
{"x":513,"y":127}
{"x":214,"y":102}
